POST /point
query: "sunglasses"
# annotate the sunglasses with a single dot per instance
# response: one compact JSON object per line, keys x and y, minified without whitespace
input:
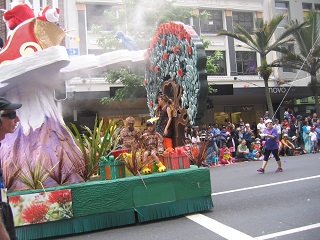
{"x":10,"y":115}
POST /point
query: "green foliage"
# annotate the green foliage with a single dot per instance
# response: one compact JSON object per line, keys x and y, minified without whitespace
{"x":92,"y":147}
{"x":308,"y":42}
{"x":34,"y":175}
{"x":139,"y":19}
{"x":132,"y":85}
{"x":211,"y":66}
{"x":262,"y":41}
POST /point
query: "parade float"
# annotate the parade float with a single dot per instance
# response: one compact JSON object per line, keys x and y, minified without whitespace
{"x":60,"y":200}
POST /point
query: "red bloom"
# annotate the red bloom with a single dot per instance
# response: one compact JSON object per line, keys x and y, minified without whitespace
{"x":145,"y":82}
{"x":151,"y":103}
{"x":14,"y":199}
{"x":60,"y":196}
{"x":188,"y":37}
{"x":176,"y":49}
{"x":180,"y":72}
{"x":165,"y":56}
{"x":157,"y":68}
{"x":163,"y":41}
{"x":35,"y":213}
{"x":189,"y":49}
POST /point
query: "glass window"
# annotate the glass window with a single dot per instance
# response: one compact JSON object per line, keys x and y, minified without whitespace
{"x":282,"y":7}
{"x":213,"y":23}
{"x":222,"y":71}
{"x":244,"y":19}
{"x":95,"y":15}
{"x":306,"y":8}
{"x":291,"y":49}
{"x":246,"y":63}
{"x":317,"y":7}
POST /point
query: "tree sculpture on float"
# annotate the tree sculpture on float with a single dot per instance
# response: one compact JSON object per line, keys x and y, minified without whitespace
{"x":176,"y":66}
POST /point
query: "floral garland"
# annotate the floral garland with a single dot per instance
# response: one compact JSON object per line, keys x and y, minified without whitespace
{"x":177,"y":52}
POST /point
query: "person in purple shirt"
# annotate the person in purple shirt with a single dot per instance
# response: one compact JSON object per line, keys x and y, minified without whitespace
{"x":271,"y":146}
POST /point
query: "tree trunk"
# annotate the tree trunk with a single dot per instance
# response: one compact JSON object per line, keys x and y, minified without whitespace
{"x":268,"y":96}
{"x":315,"y":91}
{"x":175,"y":91}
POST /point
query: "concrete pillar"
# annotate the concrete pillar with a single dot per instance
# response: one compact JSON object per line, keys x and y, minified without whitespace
{"x":230,"y":43}
{"x":81,"y":7}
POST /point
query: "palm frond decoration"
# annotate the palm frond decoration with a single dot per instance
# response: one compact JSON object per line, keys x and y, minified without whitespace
{"x":56,"y":172}
{"x":134,"y":161}
{"x":93,"y":147}
{"x":200,"y":158}
{"x":34,"y":176}
{"x":11,"y":173}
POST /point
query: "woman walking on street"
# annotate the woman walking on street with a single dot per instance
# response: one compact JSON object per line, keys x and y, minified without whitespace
{"x":271,"y":146}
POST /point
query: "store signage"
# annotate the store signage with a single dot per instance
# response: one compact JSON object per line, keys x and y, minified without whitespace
{"x":277,"y":90}
{"x":221,"y":89}
{"x":247,"y":108}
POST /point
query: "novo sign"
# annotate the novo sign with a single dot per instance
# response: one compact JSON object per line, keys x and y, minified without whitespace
{"x":278,"y":90}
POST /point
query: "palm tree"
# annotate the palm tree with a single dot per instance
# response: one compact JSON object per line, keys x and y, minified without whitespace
{"x":261,"y":42}
{"x":308,"y":41}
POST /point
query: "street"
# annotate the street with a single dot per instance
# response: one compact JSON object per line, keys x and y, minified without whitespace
{"x":247,"y":205}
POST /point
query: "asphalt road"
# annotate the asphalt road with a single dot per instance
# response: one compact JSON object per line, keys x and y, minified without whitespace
{"x":247,"y":205}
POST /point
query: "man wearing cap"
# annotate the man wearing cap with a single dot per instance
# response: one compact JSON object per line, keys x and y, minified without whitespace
{"x":129,"y":135}
{"x":8,"y":123}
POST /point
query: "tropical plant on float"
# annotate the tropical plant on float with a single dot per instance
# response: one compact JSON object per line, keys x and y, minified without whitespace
{"x":34,"y":175}
{"x":11,"y":173}
{"x":261,"y":41}
{"x":93,"y":146}
{"x":198,"y":154}
{"x":307,"y":59}
{"x":134,"y":160}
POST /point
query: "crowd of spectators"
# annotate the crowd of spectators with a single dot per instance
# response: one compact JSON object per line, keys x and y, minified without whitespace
{"x":235,"y":142}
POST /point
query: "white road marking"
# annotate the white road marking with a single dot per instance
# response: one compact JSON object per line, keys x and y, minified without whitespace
{"x":233,"y":234}
{"x":265,"y":185}
{"x":219,"y":228}
{"x":294,"y":230}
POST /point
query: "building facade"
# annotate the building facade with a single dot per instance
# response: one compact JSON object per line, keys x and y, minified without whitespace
{"x":238,"y":89}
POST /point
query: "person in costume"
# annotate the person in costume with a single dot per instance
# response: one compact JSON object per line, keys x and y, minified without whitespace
{"x":165,"y":122}
{"x":129,"y":135}
{"x":21,"y":10}
{"x":153,"y":144}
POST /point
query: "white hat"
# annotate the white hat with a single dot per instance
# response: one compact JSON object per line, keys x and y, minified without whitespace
{"x":294,"y":138}
{"x":247,"y":125}
{"x":268,"y":121}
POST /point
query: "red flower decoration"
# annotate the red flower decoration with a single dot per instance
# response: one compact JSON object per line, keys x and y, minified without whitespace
{"x":15,"y":199}
{"x":163,"y":41}
{"x":145,"y":82}
{"x":151,"y":103}
{"x":176,"y":49}
{"x":60,"y":196}
{"x":180,"y":72}
{"x":157,"y":68}
{"x":35,"y":213}
{"x":165,"y":56}
{"x":189,"y":49}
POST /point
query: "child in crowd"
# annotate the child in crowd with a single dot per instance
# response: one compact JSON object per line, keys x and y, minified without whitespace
{"x":313,"y":140}
{"x":256,"y":150}
{"x":215,"y":159}
{"x":225,"y":155}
